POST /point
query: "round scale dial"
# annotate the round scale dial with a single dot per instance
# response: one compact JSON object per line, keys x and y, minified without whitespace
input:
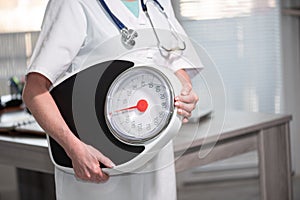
{"x":139,"y":104}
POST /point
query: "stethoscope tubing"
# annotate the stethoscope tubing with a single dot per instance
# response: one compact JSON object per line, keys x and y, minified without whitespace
{"x":118,"y":22}
{"x":145,"y":9}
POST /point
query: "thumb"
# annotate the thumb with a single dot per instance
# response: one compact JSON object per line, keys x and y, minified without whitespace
{"x":105,"y":160}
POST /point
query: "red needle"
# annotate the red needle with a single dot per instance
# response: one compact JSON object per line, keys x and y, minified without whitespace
{"x":142,"y":106}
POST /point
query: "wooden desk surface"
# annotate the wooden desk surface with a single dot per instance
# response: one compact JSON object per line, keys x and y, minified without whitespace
{"x":31,"y":152}
{"x":233,"y":124}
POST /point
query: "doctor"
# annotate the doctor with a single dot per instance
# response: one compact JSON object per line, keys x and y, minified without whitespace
{"x":70,"y":30}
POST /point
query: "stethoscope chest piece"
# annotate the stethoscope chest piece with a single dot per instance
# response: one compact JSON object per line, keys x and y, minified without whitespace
{"x":128,"y":37}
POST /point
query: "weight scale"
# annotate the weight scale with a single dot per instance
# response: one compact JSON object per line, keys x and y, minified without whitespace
{"x":124,"y":109}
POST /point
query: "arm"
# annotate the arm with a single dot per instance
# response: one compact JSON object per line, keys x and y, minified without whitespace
{"x":187,"y":100}
{"x":85,"y":159}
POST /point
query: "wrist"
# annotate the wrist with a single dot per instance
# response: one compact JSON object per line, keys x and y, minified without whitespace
{"x":183,"y":77}
{"x":73,"y":147}
{"x":70,"y":143}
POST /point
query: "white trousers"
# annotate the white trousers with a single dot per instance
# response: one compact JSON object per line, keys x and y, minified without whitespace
{"x":156,"y":181}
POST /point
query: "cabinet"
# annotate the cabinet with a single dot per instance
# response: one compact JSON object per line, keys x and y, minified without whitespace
{"x":290,"y":44}
{"x":294,"y":11}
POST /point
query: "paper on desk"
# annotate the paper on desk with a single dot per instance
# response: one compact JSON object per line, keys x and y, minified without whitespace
{"x":19,"y":121}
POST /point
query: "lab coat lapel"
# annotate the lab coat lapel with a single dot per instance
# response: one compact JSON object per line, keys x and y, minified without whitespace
{"x":125,"y":16}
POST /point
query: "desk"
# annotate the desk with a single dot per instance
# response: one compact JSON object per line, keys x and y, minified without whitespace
{"x":241,"y":132}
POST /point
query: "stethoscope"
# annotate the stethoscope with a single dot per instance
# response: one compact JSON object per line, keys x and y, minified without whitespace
{"x":128,"y":35}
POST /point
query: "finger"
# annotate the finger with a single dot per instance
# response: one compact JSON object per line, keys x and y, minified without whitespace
{"x":89,"y":173}
{"x":185,"y":120}
{"x":96,"y":175}
{"x":104,"y":176}
{"x":85,"y":176}
{"x":101,"y":177}
{"x":184,"y":113}
{"x":96,"y":179}
{"x":185,"y":106}
{"x":192,"y":98}
{"x":80,"y":174}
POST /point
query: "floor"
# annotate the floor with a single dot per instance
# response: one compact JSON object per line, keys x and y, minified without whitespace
{"x":246,"y":189}
{"x":203,"y":184}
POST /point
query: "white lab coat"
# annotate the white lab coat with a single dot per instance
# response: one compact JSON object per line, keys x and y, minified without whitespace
{"x":70,"y":31}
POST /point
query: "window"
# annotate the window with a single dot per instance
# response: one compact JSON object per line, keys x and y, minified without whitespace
{"x":20,"y":22}
{"x":21,"y":15}
{"x":243,"y":39}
